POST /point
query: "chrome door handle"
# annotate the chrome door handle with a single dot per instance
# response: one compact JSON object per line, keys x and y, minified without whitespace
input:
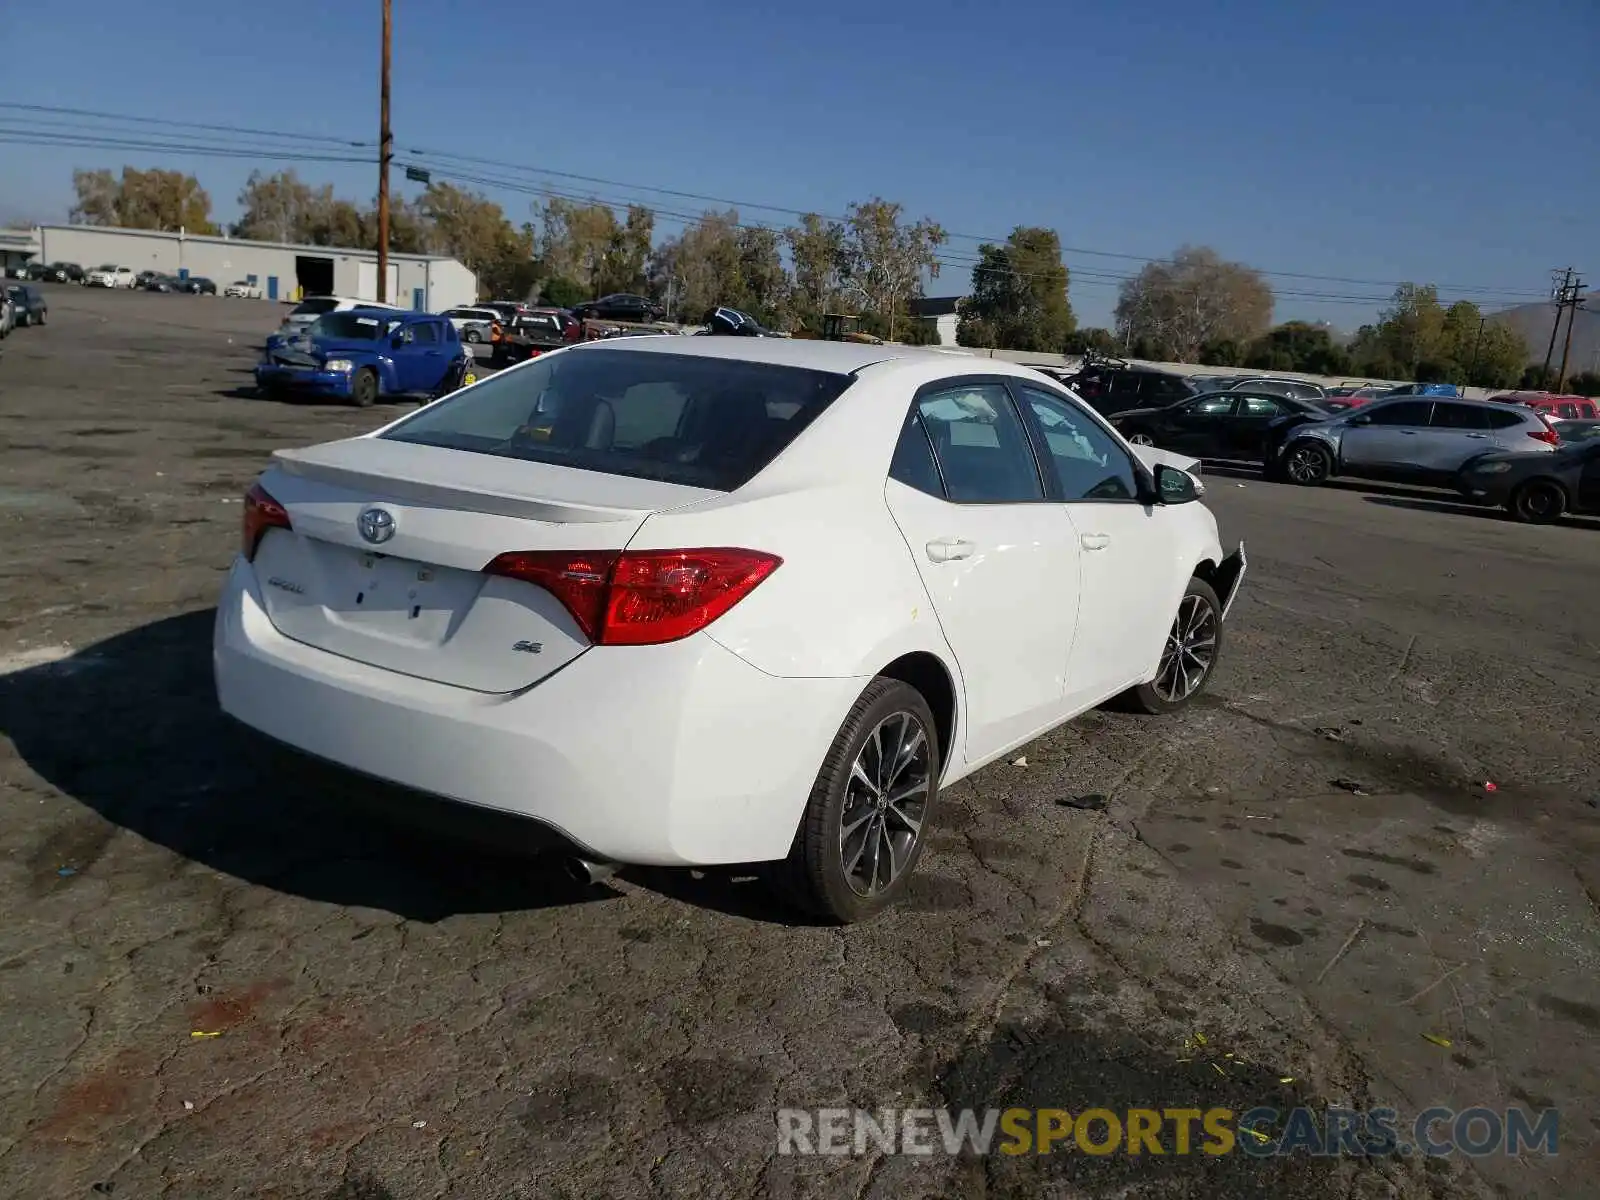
{"x":949,"y":549}
{"x":1095,"y":541}
{"x":1409,"y":432}
{"x":1479,"y":436}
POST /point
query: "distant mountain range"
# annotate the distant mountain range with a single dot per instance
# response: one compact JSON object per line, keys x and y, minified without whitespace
{"x":1533,"y":322}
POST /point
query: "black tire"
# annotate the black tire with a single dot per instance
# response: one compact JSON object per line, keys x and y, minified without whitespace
{"x":24,"y":320}
{"x":1537,"y":502}
{"x":364,"y":388}
{"x":1306,"y":463}
{"x":1156,"y":697}
{"x":817,"y":877}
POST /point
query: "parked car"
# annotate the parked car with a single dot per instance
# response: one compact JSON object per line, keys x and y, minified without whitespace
{"x":1112,"y":386}
{"x":302,"y":315}
{"x":1424,"y":389}
{"x":1299,"y":389}
{"x":1222,"y":425}
{"x":242,"y":289}
{"x":110,"y":276}
{"x":1537,"y":488}
{"x":55,"y":273}
{"x":195,"y":285}
{"x":1408,"y":439}
{"x":152,"y":282}
{"x":28,"y":303}
{"x":8,"y":314}
{"x":449,"y":605}
{"x":730,"y":322}
{"x":475,"y":324}
{"x":620,"y":306}
{"x":537,"y":332}
{"x":1572,"y":432}
{"x":1554,"y":407}
{"x":363,"y":356}
{"x":1340,"y":399}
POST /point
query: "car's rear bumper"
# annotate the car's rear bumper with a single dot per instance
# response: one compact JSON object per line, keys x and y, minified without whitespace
{"x":306,"y":382}
{"x":669,"y":755}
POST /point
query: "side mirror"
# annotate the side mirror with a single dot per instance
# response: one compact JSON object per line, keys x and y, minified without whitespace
{"x":1174,"y":486}
{"x":1361,"y":419}
{"x":397,"y":341}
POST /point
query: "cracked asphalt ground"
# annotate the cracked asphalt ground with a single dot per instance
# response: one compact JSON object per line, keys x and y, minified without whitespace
{"x":388,"y":1016}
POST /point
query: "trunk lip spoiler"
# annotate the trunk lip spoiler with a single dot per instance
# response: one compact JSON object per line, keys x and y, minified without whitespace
{"x":1230,"y":574}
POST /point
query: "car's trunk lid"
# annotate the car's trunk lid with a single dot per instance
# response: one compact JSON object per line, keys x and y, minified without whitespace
{"x":418,"y":601}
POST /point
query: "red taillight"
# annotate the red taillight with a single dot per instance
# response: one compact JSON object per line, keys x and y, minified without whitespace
{"x":261,"y":513}
{"x":1548,"y":436}
{"x":641,"y":598}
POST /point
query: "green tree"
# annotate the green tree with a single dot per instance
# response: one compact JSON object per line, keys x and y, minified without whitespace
{"x":1091,"y":340}
{"x":818,"y":248}
{"x":561,"y":292}
{"x":1019,"y":295}
{"x":885,"y":259}
{"x":1196,"y":298}
{"x":1585,"y":383}
{"x":153,"y":199}
{"x":1297,"y":346}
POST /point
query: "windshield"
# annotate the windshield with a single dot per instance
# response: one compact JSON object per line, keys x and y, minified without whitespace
{"x":351,"y":326}
{"x":306,"y":308}
{"x":679,"y":418}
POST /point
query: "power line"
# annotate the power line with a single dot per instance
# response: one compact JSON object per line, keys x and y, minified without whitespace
{"x":328,"y":140}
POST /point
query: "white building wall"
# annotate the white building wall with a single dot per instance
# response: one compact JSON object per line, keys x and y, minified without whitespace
{"x":444,"y":282}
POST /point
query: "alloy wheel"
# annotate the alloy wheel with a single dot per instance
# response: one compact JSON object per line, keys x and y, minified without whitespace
{"x":1141,"y":439}
{"x":885,"y":804}
{"x":1191,"y":650}
{"x":1306,"y":464}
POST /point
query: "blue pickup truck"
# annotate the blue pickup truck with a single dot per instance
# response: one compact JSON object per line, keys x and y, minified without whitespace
{"x":363,"y":355}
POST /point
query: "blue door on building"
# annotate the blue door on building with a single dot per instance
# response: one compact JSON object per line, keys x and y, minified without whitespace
{"x":272,"y":287}
{"x":418,"y":302}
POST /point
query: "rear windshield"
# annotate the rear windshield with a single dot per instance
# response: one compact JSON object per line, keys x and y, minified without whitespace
{"x":702,"y":422}
{"x":354,"y":325}
{"x":320,"y":304}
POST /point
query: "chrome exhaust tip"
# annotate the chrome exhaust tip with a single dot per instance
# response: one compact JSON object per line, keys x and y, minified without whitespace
{"x":588,"y":873}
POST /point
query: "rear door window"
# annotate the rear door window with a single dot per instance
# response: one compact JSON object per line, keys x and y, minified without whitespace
{"x":1459,"y":416}
{"x":981,"y":446}
{"x":680,"y":418}
{"x":427,"y":331}
{"x":1405,"y":412}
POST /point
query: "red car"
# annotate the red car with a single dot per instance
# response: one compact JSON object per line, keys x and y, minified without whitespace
{"x":1555,"y":408}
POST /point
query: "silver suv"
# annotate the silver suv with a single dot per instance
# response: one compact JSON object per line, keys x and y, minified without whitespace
{"x":1410,"y":439}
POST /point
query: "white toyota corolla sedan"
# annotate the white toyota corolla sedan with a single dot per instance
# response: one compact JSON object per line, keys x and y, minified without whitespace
{"x":678,"y":601}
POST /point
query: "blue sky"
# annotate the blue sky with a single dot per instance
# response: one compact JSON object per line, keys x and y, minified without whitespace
{"x":1377,"y":141}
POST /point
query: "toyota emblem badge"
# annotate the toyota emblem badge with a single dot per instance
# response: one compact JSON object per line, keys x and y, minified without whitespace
{"x":376,"y":525}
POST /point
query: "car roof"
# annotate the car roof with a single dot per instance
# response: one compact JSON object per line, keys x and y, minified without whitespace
{"x":840,"y":358}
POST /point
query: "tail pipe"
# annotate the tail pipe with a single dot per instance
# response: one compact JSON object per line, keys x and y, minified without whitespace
{"x":589,"y":873}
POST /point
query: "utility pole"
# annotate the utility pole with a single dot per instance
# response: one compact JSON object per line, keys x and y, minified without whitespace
{"x":1561,"y":299}
{"x":385,"y":151}
{"x":1477,"y":342}
{"x":1574,"y":302}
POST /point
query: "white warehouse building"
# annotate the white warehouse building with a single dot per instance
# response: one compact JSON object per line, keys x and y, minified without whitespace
{"x":281,"y":270}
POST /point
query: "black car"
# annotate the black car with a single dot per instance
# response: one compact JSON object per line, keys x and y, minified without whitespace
{"x":1112,"y":386}
{"x":57,"y":272}
{"x":195,"y":285}
{"x":29,"y":303}
{"x":1222,"y":425}
{"x":620,"y":306}
{"x":1536,"y":488}
{"x":731,"y":322}
{"x":1298,"y":389}
{"x":153,"y":282}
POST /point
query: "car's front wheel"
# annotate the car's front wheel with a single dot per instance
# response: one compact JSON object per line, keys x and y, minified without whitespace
{"x":472,"y":335}
{"x":1307,"y":464}
{"x":865,"y":823}
{"x":364,"y":388}
{"x":1193,"y":645}
{"x":1537,"y":502}
{"x":1141,"y":439}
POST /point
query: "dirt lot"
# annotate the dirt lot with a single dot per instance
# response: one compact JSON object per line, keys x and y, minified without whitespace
{"x":386,"y":1016}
